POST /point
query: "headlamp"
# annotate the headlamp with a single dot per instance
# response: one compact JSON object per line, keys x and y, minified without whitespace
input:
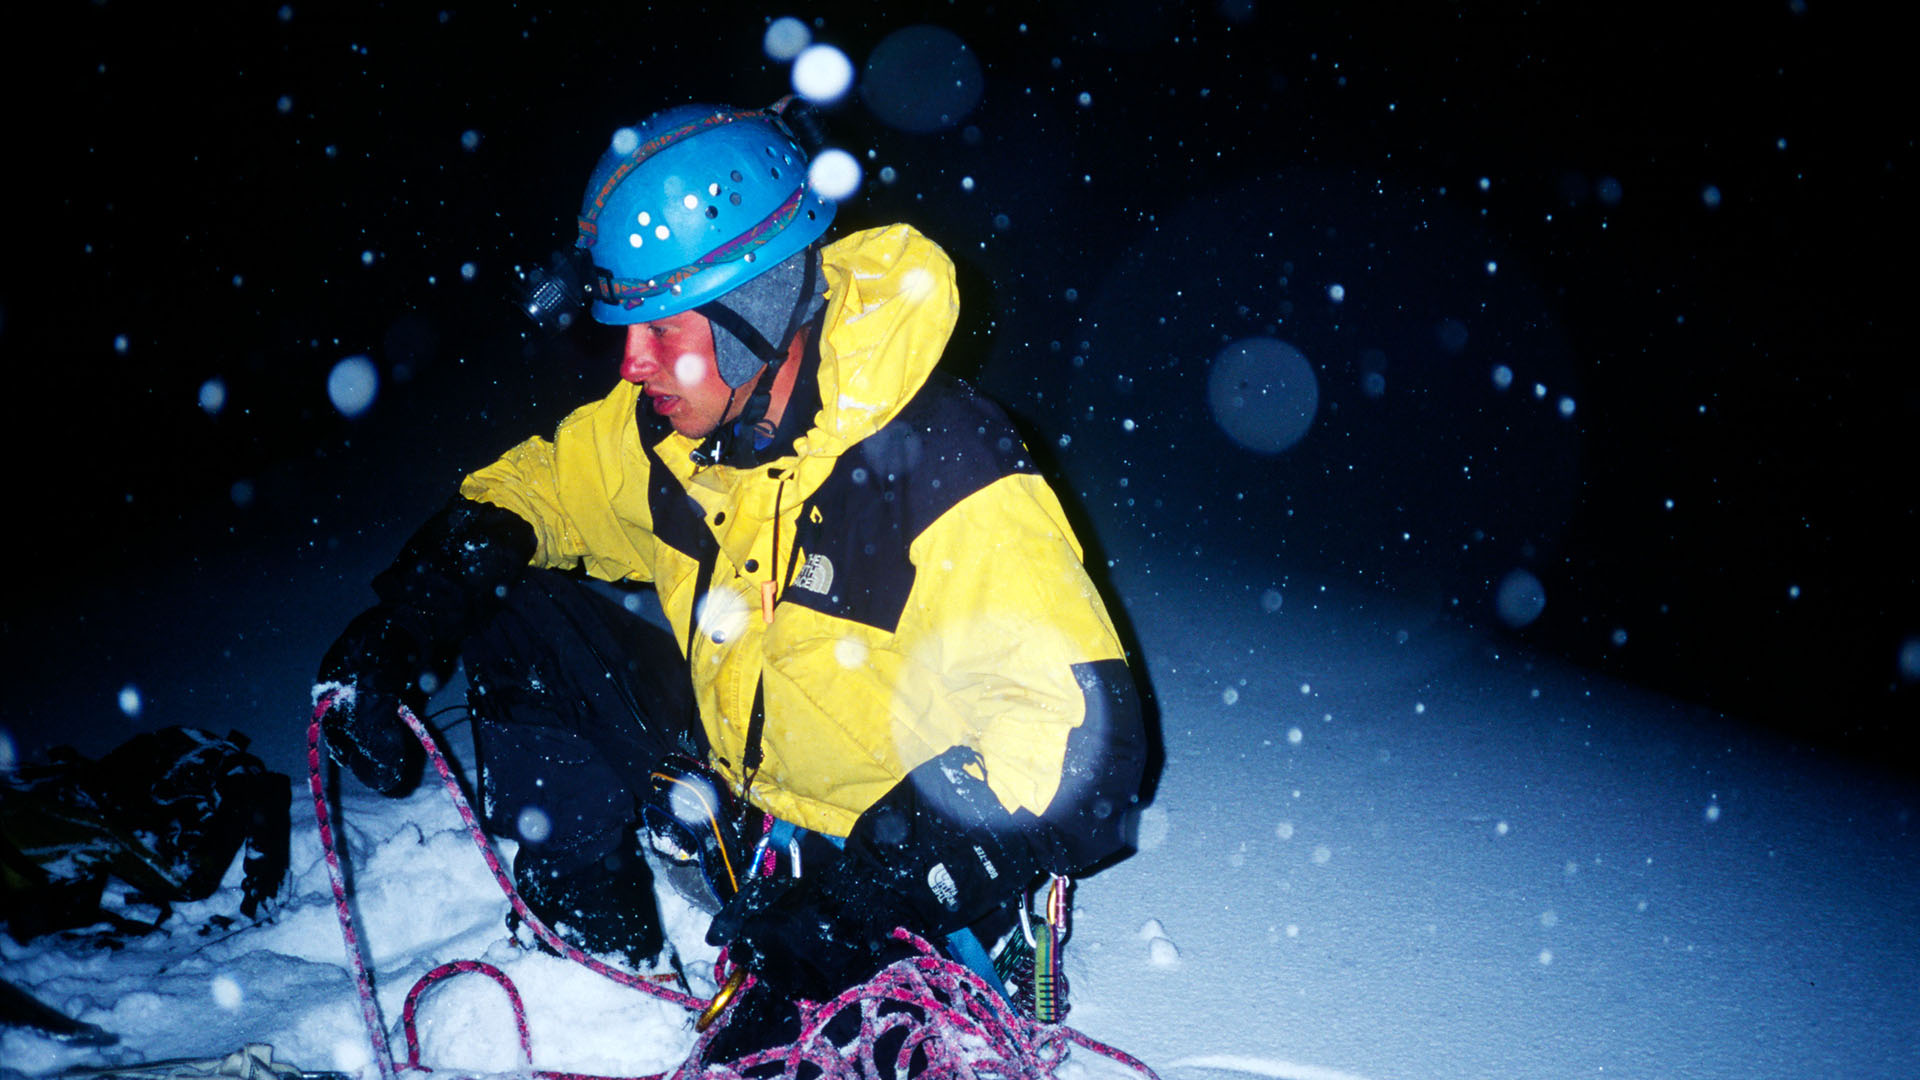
{"x":553,"y":296}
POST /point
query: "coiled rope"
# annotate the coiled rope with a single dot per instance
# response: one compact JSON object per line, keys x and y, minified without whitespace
{"x":954,"y":1026}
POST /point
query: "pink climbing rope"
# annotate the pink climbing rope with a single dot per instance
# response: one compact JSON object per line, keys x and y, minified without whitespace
{"x":356,"y":960}
{"x":369,"y":1008}
{"x":409,"y":1014}
{"x":520,"y":908}
{"x":954,"y":1025}
{"x":409,"y":1020}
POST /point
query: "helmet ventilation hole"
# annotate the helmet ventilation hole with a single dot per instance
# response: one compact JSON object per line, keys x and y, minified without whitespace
{"x":634,"y":240}
{"x":646,"y":218}
{"x":735,"y":175}
{"x":691,"y":202}
{"x":712,"y":212}
{"x":713,"y":190}
{"x":734,"y":198}
{"x":661,"y":232}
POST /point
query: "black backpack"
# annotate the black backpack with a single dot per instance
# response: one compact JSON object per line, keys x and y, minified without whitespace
{"x":164,"y":813}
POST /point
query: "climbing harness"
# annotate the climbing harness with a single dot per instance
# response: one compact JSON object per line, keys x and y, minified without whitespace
{"x":955,"y":1025}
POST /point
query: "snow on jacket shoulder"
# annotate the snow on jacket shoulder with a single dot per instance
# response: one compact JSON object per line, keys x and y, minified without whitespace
{"x":926,"y":589}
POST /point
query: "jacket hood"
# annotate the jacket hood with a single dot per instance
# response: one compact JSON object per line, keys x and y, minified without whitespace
{"x":891,"y":305}
{"x":891,"y":294}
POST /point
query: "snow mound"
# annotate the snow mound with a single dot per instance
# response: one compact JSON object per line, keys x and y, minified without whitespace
{"x":423,"y":897}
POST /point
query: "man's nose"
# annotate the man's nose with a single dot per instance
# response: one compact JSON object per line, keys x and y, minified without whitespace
{"x":640,"y":360}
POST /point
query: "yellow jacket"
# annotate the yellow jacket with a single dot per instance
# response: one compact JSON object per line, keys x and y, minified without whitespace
{"x":924,"y":586}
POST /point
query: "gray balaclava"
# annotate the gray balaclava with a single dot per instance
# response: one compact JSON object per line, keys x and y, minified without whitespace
{"x":753,"y":324}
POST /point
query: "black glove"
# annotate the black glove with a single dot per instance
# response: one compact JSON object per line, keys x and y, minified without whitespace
{"x":935,"y":853}
{"x":450,"y":578}
{"x":809,"y":938}
{"x":379,"y":663}
{"x":814,"y":937}
{"x":946,"y":846}
{"x":762,"y":1017}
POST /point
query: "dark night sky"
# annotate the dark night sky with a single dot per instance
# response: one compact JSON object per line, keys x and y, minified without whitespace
{"x":211,"y":188}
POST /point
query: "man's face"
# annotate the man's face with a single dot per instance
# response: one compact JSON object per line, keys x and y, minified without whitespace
{"x":672,"y":359}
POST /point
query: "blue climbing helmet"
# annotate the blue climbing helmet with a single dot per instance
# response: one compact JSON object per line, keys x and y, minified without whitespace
{"x":690,"y":204}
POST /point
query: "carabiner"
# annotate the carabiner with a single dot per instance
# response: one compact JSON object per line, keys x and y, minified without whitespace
{"x":721,"y":1000}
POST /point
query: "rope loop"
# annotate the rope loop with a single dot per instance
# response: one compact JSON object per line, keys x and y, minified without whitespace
{"x":458,"y":967}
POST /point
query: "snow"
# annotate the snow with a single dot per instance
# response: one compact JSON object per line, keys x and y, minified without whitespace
{"x":1263,"y":394}
{"x":1383,"y":845}
{"x":822,"y":74}
{"x":835,"y":174}
{"x":423,"y":896}
{"x":353,"y":382}
{"x":1404,"y":852}
{"x":786,"y":37}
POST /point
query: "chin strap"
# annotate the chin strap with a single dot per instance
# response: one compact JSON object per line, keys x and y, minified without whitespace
{"x":716,"y":446}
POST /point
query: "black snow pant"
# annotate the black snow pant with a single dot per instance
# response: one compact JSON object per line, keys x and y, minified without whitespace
{"x":575,"y":702}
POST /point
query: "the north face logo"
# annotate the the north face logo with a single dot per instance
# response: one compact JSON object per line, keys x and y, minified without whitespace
{"x":816,"y":576}
{"x":944,"y":889}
